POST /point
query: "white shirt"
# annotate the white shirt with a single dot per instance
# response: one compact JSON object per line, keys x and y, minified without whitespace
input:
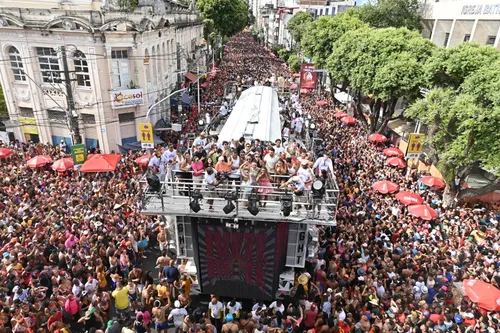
{"x":271,"y":162}
{"x":323,"y":164}
{"x":169,"y":155}
{"x":278,"y":150}
{"x":304,"y":174}
{"x":256,"y":306}
{"x":277,"y":308}
{"x":178,"y":314}
{"x":234,"y":309}
{"x":210,"y":180}
{"x":215,"y":309}
{"x":199,"y":141}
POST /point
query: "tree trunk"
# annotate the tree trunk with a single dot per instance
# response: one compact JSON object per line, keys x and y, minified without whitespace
{"x":449,"y":195}
{"x":389,"y":108}
{"x":374,"y":115}
{"x":358,"y":111}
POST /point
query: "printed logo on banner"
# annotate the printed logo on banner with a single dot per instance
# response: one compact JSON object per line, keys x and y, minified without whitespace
{"x":308,"y":77}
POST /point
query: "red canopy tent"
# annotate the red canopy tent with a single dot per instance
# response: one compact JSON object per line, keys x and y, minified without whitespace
{"x":101,"y":163}
{"x":396,"y":161}
{"x":63,"y":164}
{"x":377,"y":137}
{"x":4,"y":152}
{"x":385,"y":187}
{"x":423,"y":211}
{"x":393,"y":152}
{"x":39,"y":161}
{"x":143,"y":160}
{"x":340,"y":115}
{"x":409,"y":198}
{"x":483,"y":293}
{"x":349,"y":120}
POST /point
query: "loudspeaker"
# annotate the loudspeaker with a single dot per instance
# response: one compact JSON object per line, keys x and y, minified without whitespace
{"x":154,"y":183}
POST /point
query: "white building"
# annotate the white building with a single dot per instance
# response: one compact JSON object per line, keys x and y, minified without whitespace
{"x":450,"y":22}
{"x":120,"y":62}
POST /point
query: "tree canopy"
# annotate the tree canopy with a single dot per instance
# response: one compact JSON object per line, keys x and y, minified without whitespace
{"x":449,"y":67}
{"x":320,"y":36}
{"x":297,"y":25}
{"x":390,"y":13}
{"x":4,"y":113}
{"x":228,"y":16}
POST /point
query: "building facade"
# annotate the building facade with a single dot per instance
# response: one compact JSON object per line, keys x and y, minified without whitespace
{"x":120,"y":61}
{"x":450,"y":22}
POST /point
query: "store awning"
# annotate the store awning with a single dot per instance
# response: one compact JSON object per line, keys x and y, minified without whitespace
{"x":161,"y":125}
{"x":191,"y":77}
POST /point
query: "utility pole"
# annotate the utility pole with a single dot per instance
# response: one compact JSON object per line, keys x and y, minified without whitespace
{"x":179,"y":70}
{"x":198,"y":81}
{"x":71,"y":110}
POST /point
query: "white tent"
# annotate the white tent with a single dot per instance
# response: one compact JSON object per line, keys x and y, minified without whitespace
{"x":255,"y":116}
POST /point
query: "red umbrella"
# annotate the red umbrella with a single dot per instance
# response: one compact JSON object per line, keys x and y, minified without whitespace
{"x":396,"y":161}
{"x":321,"y":103}
{"x":101,"y":163}
{"x":39,"y":161}
{"x":293,"y":86}
{"x":340,"y":115}
{"x":4,"y":152}
{"x":385,"y":186}
{"x":423,"y":211}
{"x":349,"y":120}
{"x":296,"y":75}
{"x":483,"y":293}
{"x":377,"y":138}
{"x":393,"y":152}
{"x":432,"y":181}
{"x":143,"y":160}
{"x":63,"y":164}
{"x":409,"y":198}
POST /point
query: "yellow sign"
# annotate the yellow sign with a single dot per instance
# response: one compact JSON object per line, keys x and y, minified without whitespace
{"x":28,"y":125}
{"x":146,"y":135}
{"x":415,"y":144}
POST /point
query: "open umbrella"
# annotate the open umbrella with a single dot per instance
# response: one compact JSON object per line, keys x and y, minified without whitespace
{"x":4,"y":152}
{"x":321,"y":103}
{"x":143,"y":160}
{"x":385,"y":186}
{"x":377,"y":137}
{"x":296,"y":75}
{"x":293,"y":86}
{"x":63,"y":164}
{"x":393,"y":152}
{"x":101,"y":163}
{"x":432,"y":181}
{"x":39,"y":161}
{"x":423,"y":211}
{"x":396,"y":161}
{"x":349,"y":120}
{"x":340,"y":115}
{"x":409,"y":198}
{"x":483,"y":293}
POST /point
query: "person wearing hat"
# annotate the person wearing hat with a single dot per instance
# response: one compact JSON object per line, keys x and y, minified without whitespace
{"x":297,"y":185}
{"x":159,"y":314}
{"x":231,"y":326}
{"x":177,"y":315}
{"x":201,"y":140}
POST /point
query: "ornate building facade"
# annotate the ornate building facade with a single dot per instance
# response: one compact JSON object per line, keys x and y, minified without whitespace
{"x":121,"y":59}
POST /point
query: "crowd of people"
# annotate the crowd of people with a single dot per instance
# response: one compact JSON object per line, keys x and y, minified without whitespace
{"x":73,"y":244}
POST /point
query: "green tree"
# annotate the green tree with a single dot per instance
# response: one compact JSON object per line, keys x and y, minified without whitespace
{"x":386,"y":64}
{"x":251,"y":17}
{"x":284,"y":54}
{"x":228,"y":16}
{"x":449,"y":67}
{"x":320,"y":36}
{"x":4,"y":113}
{"x":297,"y":25}
{"x":294,"y":63}
{"x":462,"y":134}
{"x":390,"y":13}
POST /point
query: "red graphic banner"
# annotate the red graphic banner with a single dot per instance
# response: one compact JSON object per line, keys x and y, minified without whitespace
{"x":308,"y":77}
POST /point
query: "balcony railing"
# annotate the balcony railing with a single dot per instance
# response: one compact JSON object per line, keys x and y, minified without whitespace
{"x":175,"y":197}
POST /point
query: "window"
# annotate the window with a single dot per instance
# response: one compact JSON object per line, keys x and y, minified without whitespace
{"x":446,"y":38}
{"x":81,"y":69}
{"x":56,"y":116}
{"x":26,"y":112}
{"x":88,"y":118}
{"x":126,"y":117}
{"x":491,"y":40}
{"x":333,"y":11}
{"x":16,"y":64}
{"x":121,"y":68}
{"x":326,"y":11}
{"x":321,"y":12}
{"x":49,"y":64}
{"x":466,"y":38}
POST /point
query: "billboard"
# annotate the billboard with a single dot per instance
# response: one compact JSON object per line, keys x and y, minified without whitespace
{"x":308,"y":77}
{"x":146,"y":135}
{"x":415,"y":145}
{"x":244,"y":262}
{"x":127,"y":98}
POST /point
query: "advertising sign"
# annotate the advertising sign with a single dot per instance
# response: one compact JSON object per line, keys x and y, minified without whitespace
{"x":127,"y":98}
{"x":308,"y":77}
{"x":146,"y":135}
{"x":415,"y":144}
{"x":28,"y":125}
{"x":78,"y":153}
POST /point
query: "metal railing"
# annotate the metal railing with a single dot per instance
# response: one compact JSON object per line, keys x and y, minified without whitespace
{"x":176,"y":195}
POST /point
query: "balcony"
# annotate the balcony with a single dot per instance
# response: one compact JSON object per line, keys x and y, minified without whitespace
{"x":174,"y":199}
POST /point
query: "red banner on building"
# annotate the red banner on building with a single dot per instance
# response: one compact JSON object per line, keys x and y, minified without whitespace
{"x":308,"y":77}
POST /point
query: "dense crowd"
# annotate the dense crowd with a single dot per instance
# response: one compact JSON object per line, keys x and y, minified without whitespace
{"x":73,"y":244}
